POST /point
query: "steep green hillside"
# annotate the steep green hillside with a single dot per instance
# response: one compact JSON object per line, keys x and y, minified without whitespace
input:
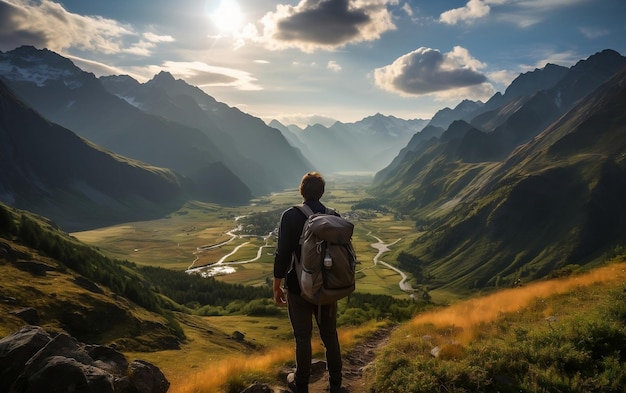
{"x":52,"y":280}
{"x":558,"y":200}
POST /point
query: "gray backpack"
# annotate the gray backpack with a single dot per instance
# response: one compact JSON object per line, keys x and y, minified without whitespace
{"x":327,"y":265}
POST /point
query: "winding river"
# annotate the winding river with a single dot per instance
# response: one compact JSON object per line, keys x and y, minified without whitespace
{"x":222,"y":267}
{"x":383,"y":248}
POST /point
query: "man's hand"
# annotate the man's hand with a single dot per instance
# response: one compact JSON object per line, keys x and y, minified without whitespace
{"x":279,"y":293}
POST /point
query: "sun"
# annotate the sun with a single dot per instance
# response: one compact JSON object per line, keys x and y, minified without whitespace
{"x":227,"y":17}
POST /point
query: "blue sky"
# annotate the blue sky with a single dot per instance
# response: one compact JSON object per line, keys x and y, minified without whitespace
{"x":308,"y":61}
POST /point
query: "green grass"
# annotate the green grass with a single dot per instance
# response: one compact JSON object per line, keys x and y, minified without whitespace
{"x":172,"y":242}
{"x":570,"y":341}
{"x":64,"y":306}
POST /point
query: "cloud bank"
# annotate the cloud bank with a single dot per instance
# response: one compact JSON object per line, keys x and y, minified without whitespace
{"x":48,"y":24}
{"x":321,"y":24}
{"x":428,"y":71}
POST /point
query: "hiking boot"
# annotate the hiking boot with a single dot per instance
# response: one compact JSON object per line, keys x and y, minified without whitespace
{"x":334,"y":389}
{"x":296,"y":388}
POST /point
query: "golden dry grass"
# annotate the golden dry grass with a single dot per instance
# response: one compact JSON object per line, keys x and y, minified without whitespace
{"x":466,"y":316}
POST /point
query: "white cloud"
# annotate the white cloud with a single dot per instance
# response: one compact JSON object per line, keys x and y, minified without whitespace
{"x":474,"y":9}
{"x":547,"y":4}
{"x":333,"y":66}
{"x":481,"y":92}
{"x":427,"y":71}
{"x":145,"y":46}
{"x":523,"y":13}
{"x":314,"y":25}
{"x":593,"y":33}
{"x":503,"y":77}
{"x":158,"y":38}
{"x":205,"y":75}
{"x":99,"y":69}
{"x":406,"y":7}
{"x":48,"y":24}
{"x":565,"y":59}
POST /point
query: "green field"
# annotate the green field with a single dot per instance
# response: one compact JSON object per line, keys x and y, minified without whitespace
{"x":173,"y":242}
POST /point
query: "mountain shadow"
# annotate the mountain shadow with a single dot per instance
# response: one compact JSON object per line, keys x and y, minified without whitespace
{"x":62,"y":93}
{"x":49,"y":170}
{"x":254,"y":152}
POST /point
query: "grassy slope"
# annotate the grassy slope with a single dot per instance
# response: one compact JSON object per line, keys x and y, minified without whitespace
{"x":550,"y":336}
{"x":65,"y":306}
{"x":479,"y":340}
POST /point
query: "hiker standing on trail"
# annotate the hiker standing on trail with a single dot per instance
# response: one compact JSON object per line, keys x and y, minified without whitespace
{"x":300,"y":310}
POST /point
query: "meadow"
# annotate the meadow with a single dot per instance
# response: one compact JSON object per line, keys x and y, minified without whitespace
{"x":173,"y":242}
{"x":489,"y":342}
{"x":198,"y":235}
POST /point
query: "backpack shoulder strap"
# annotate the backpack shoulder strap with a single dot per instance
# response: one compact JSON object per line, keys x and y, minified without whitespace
{"x":305,"y":209}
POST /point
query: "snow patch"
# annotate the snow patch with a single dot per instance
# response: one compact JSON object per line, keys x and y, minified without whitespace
{"x":39,"y":74}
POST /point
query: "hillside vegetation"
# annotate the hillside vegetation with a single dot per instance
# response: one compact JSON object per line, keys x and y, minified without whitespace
{"x":542,"y":191}
{"x":560,"y":335}
{"x":77,"y":289}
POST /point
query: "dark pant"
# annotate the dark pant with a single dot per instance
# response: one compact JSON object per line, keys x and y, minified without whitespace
{"x":300,"y":315}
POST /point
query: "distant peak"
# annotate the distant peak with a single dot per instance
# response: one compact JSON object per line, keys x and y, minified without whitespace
{"x":164,"y":76}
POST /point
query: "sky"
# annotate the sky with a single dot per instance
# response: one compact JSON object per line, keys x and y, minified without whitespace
{"x":318,"y":61}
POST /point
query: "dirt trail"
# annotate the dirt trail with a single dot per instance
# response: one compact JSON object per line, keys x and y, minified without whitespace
{"x":359,"y":358}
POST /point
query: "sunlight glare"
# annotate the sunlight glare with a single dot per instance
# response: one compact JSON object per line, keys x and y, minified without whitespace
{"x":228,"y":16}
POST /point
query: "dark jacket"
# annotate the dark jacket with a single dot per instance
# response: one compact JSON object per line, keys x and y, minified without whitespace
{"x":291,"y":223}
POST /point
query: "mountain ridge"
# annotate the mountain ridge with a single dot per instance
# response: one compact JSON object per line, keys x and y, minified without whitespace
{"x":255,"y":152}
{"x":78,"y":101}
{"x":522,"y":214}
{"x":50,"y":170}
{"x":366,"y":145}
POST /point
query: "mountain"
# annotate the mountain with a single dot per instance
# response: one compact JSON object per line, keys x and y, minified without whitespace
{"x":466,"y":109}
{"x":366,"y":145}
{"x":74,"y":99}
{"x":543,"y":189}
{"x":49,"y":170}
{"x":524,"y":85}
{"x":418,"y":142}
{"x":256,"y":153}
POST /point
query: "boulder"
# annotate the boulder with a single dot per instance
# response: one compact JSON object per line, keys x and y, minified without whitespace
{"x":33,"y":361}
{"x":35,"y":268}
{"x":16,"y":349}
{"x":238,"y":336}
{"x":28,"y":315}
{"x":146,"y":378}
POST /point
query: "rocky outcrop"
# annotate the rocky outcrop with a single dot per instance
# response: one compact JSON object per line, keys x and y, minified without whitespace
{"x":34,"y":361}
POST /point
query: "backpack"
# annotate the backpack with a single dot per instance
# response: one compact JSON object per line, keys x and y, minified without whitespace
{"x":327,"y":265}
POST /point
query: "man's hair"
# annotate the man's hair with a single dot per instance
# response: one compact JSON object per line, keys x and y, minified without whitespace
{"x":312,"y":186}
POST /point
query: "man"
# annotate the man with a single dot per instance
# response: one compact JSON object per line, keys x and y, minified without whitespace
{"x":300,"y":310}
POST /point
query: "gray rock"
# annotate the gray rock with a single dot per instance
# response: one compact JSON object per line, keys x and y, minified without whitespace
{"x":16,"y":349}
{"x":146,"y":378}
{"x":28,"y":315}
{"x":32,"y":361}
{"x":64,"y":375}
{"x":258,"y":388}
{"x":35,"y":268}
{"x":238,"y":336}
